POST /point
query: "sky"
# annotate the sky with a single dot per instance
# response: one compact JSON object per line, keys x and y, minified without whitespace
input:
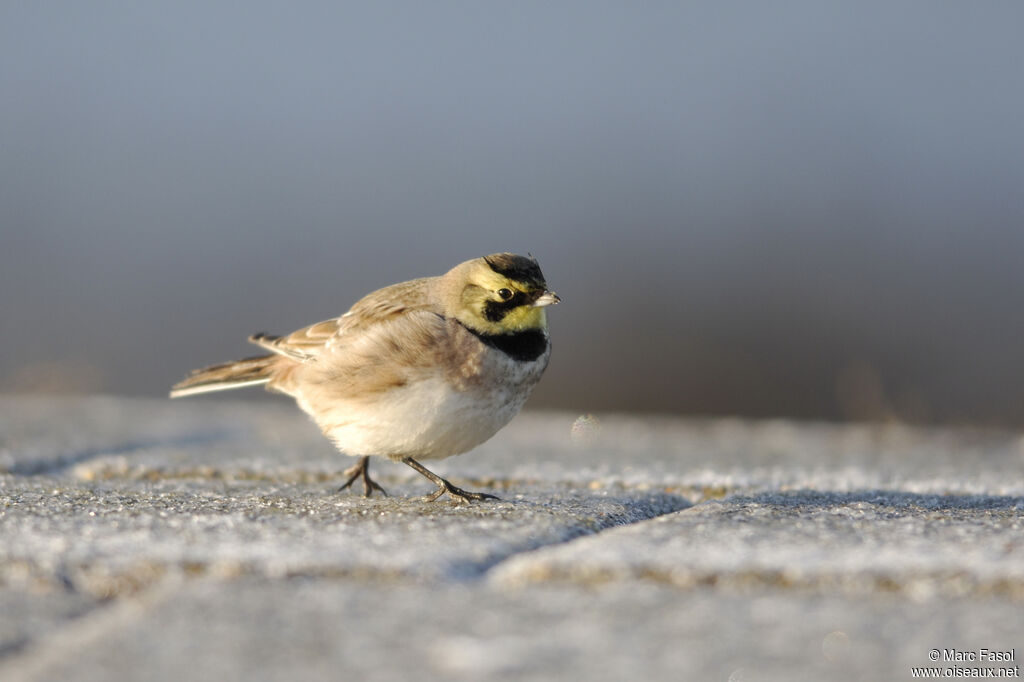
{"x":796,"y":209}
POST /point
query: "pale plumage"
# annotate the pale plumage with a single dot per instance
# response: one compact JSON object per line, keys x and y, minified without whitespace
{"x":422,"y":369}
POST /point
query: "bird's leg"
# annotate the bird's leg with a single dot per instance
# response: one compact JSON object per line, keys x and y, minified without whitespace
{"x":362,"y":470}
{"x":444,"y":486}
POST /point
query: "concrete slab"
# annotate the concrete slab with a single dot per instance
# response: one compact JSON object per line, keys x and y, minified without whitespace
{"x":314,"y":629}
{"x":873,"y":542}
{"x":62,"y":532}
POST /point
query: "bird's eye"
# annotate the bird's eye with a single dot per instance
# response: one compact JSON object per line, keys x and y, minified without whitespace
{"x":505,"y":294}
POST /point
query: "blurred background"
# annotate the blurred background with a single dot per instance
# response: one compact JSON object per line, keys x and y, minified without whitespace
{"x":796,"y":209}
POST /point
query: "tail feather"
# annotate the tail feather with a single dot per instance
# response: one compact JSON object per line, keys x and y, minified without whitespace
{"x":247,"y":372}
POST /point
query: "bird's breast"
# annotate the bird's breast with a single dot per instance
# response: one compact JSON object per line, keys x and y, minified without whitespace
{"x":497,"y":363}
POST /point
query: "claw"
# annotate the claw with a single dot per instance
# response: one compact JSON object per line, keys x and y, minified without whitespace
{"x":362,"y":470}
{"x":443,"y":486}
{"x":458,"y":494}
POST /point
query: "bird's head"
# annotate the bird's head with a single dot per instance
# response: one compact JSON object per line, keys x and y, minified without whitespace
{"x":498,"y":294}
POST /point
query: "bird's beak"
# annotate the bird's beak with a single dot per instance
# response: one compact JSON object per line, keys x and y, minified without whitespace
{"x":545,"y":299}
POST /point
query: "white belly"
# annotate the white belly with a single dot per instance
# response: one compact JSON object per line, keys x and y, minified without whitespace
{"x":427,"y":419}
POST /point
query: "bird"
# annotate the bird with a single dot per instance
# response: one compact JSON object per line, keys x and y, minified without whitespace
{"x":418,"y":370}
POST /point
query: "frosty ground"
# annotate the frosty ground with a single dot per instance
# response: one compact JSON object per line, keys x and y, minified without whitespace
{"x":162,"y":540}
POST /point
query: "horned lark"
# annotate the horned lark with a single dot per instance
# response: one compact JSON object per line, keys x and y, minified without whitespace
{"x":423,"y":369}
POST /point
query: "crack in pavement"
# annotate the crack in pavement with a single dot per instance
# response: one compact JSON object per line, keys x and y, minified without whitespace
{"x":58,"y":463}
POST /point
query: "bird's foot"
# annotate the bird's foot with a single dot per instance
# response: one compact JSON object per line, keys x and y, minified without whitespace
{"x":443,"y":486}
{"x":362,"y":470}
{"x":457,"y":494}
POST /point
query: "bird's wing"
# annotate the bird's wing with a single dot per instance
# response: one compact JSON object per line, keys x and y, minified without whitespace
{"x":302,"y":345}
{"x":388,"y":303}
{"x":395,"y":352}
{"x":373,"y":309}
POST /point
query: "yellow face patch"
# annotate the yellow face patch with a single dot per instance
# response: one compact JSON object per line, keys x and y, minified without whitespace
{"x":524,"y":318}
{"x":492,"y":281}
{"x":496,"y":304}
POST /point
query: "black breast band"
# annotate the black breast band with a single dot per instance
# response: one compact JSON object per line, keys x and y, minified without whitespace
{"x":522,"y":346}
